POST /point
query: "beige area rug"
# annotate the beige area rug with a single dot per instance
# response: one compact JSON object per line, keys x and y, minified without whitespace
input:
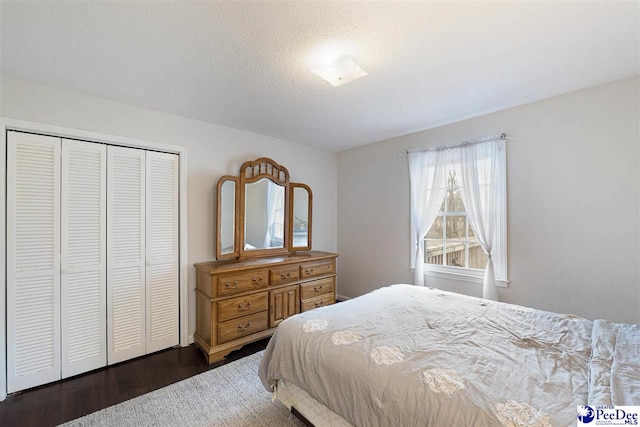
{"x":231,"y":395}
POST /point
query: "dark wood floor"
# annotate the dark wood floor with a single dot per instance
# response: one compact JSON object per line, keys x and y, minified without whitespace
{"x":66,"y":400}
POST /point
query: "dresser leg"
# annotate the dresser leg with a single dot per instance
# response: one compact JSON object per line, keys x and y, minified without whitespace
{"x":217,"y":356}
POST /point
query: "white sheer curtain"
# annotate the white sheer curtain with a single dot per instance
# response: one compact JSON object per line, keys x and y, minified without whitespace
{"x":482,"y":171}
{"x":272,"y":204}
{"x":427,"y":175}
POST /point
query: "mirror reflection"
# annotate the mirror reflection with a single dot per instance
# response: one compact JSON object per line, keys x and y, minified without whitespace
{"x":227,"y":226}
{"x":300,"y":217}
{"x":264,"y":215}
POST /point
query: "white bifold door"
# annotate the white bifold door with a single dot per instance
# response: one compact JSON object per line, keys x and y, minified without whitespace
{"x":162,"y":251}
{"x":126,"y":253}
{"x":84,"y":261}
{"x":142,"y":247}
{"x":92,"y":256}
{"x":33,"y":260}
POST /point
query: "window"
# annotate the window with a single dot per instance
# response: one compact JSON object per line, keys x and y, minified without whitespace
{"x":452,"y":191}
{"x":450,"y":241}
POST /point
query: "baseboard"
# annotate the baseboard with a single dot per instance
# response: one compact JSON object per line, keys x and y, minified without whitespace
{"x":341,"y":297}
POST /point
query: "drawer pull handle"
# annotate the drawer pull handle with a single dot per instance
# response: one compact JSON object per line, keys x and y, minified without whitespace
{"x":243,"y":307}
{"x":309,"y":270}
{"x":257,"y":280}
{"x":244,"y":328}
{"x":317,"y":288}
{"x":285,"y":276}
{"x":230,"y":285}
{"x":319,"y":304}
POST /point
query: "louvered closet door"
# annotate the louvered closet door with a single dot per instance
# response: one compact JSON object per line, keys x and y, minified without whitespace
{"x":33,"y":260}
{"x":125,"y":253}
{"x":83,"y":287}
{"x":162,"y":251}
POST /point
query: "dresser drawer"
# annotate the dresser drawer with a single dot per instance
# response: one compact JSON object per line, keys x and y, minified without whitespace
{"x":242,"y":306}
{"x":242,"y":326}
{"x":321,"y":301}
{"x":318,"y":268}
{"x":242,"y":282}
{"x":317,"y":288}
{"x":284,"y":274}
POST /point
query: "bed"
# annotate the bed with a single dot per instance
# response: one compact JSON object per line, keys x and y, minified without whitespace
{"x":412,"y":356}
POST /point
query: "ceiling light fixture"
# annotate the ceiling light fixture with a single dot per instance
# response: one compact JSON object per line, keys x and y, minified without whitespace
{"x":341,"y":71}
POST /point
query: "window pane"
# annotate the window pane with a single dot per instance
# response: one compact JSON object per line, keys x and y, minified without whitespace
{"x":455,"y":253}
{"x":435,"y":232}
{"x":455,"y":201}
{"x":453,"y":194}
{"x":477,"y":257}
{"x":433,"y":254}
{"x":456,"y":227}
{"x":472,"y":235}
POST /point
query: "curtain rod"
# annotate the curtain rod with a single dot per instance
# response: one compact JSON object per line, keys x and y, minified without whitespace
{"x":501,"y":136}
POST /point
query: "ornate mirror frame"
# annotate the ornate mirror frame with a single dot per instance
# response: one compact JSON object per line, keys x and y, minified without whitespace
{"x":293,"y":217}
{"x":221,"y":222}
{"x":251,"y":172}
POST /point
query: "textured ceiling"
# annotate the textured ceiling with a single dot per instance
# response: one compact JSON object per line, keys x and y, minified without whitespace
{"x":245,"y":64}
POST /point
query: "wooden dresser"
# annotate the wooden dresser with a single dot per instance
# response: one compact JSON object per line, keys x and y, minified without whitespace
{"x":241,"y":301}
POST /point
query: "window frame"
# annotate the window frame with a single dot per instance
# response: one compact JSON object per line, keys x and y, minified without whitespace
{"x":499,"y":255}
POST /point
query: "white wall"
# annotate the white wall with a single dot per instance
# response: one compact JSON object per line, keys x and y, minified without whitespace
{"x":573,"y":204}
{"x":213,"y":151}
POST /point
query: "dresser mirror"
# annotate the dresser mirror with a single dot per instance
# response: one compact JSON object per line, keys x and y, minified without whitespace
{"x":301,"y":217}
{"x":261,"y":213}
{"x":226,"y":243}
{"x":264,"y":210}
